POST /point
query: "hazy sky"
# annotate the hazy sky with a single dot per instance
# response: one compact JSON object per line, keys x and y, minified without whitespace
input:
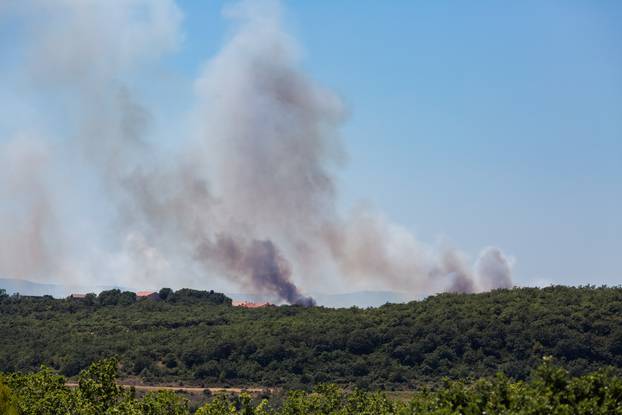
{"x":480,"y":123}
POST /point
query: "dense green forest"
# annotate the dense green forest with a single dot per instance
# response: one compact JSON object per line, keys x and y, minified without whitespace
{"x":197,"y":337}
{"x":550,"y":391}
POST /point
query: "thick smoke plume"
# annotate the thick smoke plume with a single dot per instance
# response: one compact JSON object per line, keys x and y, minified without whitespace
{"x":243,"y":187}
{"x":268,"y":271}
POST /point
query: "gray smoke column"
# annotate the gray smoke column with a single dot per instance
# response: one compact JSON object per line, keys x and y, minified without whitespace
{"x":248,"y":192}
{"x":268,"y":271}
{"x":461,"y":280}
{"x":30,"y":242}
{"x":493,"y":269}
{"x":368,"y":247}
{"x":271,"y":136}
{"x":270,"y":132}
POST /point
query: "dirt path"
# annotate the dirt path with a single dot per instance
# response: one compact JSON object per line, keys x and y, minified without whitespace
{"x":194,"y":390}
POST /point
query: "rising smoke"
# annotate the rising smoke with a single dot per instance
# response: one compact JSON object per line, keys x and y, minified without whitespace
{"x":248,"y":193}
{"x":28,"y":221}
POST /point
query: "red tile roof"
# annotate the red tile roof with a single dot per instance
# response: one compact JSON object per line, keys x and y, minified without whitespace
{"x":144,"y":293}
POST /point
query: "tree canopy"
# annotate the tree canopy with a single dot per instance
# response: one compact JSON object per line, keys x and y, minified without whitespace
{"x":197,"y":337}
{"x":551,"y":390}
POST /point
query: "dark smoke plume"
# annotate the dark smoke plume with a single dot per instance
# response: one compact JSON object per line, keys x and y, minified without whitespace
{"x":269,"y":272}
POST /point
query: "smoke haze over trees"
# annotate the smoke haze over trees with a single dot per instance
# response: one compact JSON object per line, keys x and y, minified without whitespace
{"x":244,"y":191}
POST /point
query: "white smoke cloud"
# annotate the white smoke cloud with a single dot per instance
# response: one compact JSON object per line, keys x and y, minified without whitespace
{"x":251,"y":194}
{"x":76,"y":57}
{"x":29,"y":227}
{"x":80,"y":42}
{"x":493,"y":269}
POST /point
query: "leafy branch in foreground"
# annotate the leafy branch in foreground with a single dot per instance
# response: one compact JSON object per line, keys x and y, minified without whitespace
{"x":551,"y":390}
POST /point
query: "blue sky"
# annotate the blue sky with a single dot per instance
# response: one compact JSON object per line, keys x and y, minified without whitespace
{"x":481,"y":122}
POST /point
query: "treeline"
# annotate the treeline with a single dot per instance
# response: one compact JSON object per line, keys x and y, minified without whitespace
{"x":118,"y":297}
{"x":550,"y":390}
{"x":397,"y":346}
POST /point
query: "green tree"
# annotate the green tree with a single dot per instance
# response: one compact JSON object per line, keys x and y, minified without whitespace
{"x":166,"y":294}
{"x":7,"y":400}
{"x":97,"y":385}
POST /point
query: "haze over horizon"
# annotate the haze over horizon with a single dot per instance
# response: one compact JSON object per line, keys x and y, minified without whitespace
{"x":272,"y":147}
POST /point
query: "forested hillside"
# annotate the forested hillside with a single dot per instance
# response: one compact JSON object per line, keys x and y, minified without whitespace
{"x":198,"y":337}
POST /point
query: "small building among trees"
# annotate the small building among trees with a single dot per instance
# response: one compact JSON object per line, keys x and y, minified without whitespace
{"x":249,"y":304}
{"x":148,"y":295}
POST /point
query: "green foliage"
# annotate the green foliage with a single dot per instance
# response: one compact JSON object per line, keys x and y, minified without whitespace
{"x":7,"y":400}
{"x":552,"y":390}
{"x":97,"y":385}
{"x":165,"y":294}
{"x":164,"y":403}
{"x":197,"y":337}
{"x":43,"y":392}
{"x":116,"y":297}
{"x":219,"y":406}
{"x":187,"y":295}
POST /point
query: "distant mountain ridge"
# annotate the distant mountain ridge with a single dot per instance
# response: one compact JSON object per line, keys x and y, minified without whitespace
{"x":24,"y":287}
